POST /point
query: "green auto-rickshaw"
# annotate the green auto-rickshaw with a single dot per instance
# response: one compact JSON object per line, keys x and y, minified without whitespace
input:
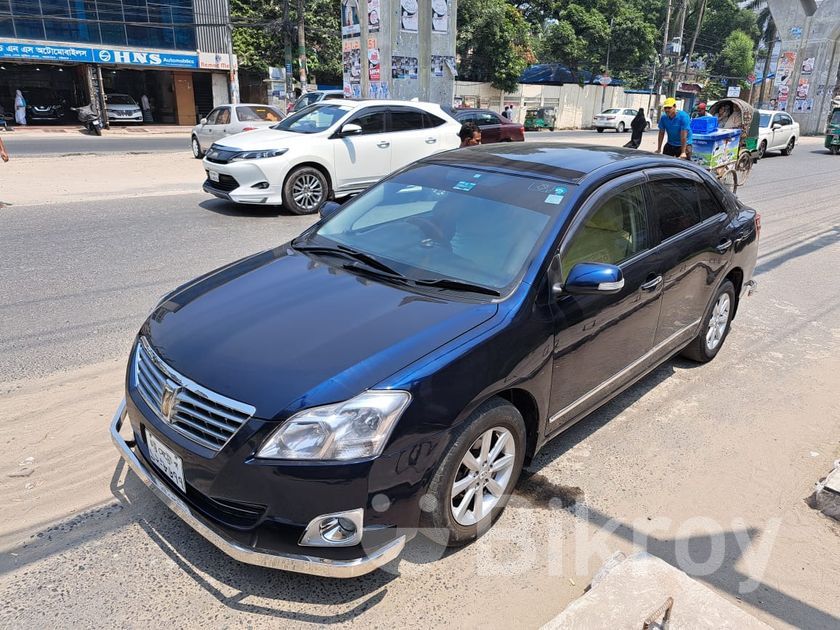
{"x":537,"y":118}
{"x":832,"y":131}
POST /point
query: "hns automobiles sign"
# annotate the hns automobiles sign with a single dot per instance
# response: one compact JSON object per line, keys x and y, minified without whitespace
{"x":84,"y":54}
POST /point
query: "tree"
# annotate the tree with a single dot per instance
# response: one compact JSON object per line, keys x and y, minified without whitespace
{"x":737,"y":59}
{"x":494,"y":43}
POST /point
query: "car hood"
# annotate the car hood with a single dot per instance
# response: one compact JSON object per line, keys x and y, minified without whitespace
{"x":263,"y":139}
{"x":282,"y":331}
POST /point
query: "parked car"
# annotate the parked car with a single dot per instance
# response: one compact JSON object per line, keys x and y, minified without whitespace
{"x":331,"y":148}
{"x":308,"y":407}
{"x":777,"y":131}
{"x":228,"y":120}
{"x":494,"y":127}
{"x":616,"y":118}
{"x":305,"y":100}
{"x":44,"y":105}
{"x":122,"y":108}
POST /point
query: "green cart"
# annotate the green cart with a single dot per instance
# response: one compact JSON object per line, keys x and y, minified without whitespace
{"x":832,"y":132}
{"x":537,"y":118}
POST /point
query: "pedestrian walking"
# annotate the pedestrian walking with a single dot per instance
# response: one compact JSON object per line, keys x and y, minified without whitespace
{"x":4,"y":155}
{"x":20,"y":108}
{"x":677,"y":125}
{"x":470,"y":135}
{"x":637,"y":126}
{"x":147,"y":108}
{"x":506,"y":113}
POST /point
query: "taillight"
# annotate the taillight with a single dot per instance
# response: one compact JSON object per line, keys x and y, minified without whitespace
{"x":757,"y":225}
{"x":249,"y":129}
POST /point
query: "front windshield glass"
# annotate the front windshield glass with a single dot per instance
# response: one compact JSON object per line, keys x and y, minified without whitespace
{"x":120,"y":99}
{"x":765,"y":120}
{"x":835,"y":117}
{"x":314,"y":119}
{"x":450,"y":222}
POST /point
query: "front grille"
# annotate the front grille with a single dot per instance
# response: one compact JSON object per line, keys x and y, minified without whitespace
{"x":226,"y":183}
{"x":205,"y":417}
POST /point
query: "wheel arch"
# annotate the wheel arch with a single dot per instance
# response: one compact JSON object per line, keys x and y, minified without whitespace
{"x":527,"y":406}
{"x":736,"y":277}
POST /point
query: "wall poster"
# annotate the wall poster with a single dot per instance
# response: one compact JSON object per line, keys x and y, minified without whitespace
{"x":409,"y":16}
{"x":808,"y":65}
{"x":440,"y":16}
{"x":373,"y":16}
{"x":404,"y":67}
{"x":350,"y":26}
{"x":785,"y":67}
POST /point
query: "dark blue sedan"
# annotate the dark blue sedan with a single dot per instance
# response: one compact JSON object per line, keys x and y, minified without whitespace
{"x":390,"y":370}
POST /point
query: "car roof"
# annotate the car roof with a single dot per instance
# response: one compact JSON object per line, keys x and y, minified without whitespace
{"x":565,"y":162}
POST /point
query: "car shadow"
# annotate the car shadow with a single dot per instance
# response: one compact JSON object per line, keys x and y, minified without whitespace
{"x":230,"y":209}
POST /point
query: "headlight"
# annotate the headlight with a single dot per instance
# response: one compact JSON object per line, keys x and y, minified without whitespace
{"x":353,"y":429}
{"x":257,"y":155}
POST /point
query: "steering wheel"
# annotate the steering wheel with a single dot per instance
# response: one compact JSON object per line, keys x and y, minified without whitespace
{"x":435,"y":234}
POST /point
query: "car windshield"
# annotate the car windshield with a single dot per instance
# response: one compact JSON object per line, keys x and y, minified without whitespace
{"x":441,"y":222}
{"x":314,"y":119}
{"x":835,"y":117}
{"x":256,"y":113}
{"x":611,"y":111}
{"x":765,"y":120}
{"x":120,"y":99}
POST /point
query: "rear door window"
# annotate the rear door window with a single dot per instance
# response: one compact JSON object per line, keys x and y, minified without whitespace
{"x":486,"y":119}
{"x":406,"y":119}
{"x":676,"y":206}
{"x":430,"y":120}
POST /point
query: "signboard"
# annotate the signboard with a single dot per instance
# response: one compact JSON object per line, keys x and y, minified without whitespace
{"x":215,"y":61}
{"x":409,"y":16}
{"x":733,"y":92}
{"x":440,"y":16}
{"x":350,"y":26}
{"x":85,"y":54}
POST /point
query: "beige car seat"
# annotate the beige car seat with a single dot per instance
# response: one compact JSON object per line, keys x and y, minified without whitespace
{"x":602,"y":239}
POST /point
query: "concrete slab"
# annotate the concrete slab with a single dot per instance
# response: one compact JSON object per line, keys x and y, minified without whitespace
{"x":635,"y":588}
{"x":826,"y":497}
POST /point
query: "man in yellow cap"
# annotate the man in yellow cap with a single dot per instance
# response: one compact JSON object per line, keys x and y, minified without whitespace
{"x":677,"y":125}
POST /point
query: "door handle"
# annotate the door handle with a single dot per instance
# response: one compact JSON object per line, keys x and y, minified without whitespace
{"x":650,"y":285}
{"x":431,"y":140}
{"x":724,"y":246}
{"x":383,"y":145}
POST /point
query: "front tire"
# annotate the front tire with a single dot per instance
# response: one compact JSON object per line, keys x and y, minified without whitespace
{"x":717,"y":322}
{"x":762,"y":149}
{"x":599,"y":129}
{"x":196,"y":149}
{"x":789,"y":147}
{"x":477,"y":475}
{"x":305,"y":190}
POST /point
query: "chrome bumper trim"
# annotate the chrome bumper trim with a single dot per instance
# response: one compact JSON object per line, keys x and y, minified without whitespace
{"x":311,"y":565}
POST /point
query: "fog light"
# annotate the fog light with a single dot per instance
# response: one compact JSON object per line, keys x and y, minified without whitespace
{"x":341,"y":529}
{"x":260,"y":185}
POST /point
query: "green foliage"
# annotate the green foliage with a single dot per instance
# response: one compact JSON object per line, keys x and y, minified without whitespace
{"x":736,"y":59}
{"x":494,"y":43}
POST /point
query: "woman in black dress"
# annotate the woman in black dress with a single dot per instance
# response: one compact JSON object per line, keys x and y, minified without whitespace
{"x":638,"y":127}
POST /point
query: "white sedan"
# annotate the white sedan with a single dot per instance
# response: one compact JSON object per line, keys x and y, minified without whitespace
{"x":616,"y":118}
{"x":228,"y":120}
{"x":777,"y":131}
{"x":330,"y":149}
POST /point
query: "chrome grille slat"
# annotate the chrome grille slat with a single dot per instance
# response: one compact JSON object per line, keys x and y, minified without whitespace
{"x":207,"y":418}
{"x":204,"y":417}
{"x":197,"y":402}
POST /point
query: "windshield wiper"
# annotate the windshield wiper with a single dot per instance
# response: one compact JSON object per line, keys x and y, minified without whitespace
{"x":456,"y":285}
{"x":349,"y":252}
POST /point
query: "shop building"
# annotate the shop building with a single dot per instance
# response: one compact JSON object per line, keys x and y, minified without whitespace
{"x":73,"y":52}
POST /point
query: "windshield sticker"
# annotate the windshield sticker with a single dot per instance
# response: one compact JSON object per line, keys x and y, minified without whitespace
{"x":554,"y":199}
{"x":465,"y":186}
{"x":560,"y":191}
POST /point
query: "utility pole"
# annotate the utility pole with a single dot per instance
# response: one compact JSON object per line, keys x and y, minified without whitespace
{"x":664,"y":56}
{"x":673,"y":87}
{"x":607,"y":66}
{"x":301,"y":48}
{"x":696,"y":33}
{"x":287,"y":50}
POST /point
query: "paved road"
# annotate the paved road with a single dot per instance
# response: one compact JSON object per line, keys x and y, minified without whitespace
{"x":32,"y":145}
{"x":742,"y":438}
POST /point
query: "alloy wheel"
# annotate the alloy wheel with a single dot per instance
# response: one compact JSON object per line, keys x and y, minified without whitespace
{"x":789,"y":149}
{"x":762,"y":149}
{"x":718,"y":321}
{"x":307,"y":191}
{"x":196,"y":148}
{"x":483,"y":476}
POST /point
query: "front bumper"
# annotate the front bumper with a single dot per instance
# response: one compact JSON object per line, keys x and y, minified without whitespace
{"x":242,"y":179}
{"x":312,"y":565}
{"x":605,"y":124}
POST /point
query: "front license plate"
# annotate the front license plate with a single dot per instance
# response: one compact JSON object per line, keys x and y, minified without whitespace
{"x":163,"y":457}
{"x":213,"y":175}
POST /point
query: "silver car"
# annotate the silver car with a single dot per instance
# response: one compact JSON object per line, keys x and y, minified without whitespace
{"x":122,"y":108}
{"x":227,"y":120}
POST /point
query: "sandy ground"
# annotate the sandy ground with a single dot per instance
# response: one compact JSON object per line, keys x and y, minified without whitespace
{"x":28,"y":181}
{"x":690,"y":462}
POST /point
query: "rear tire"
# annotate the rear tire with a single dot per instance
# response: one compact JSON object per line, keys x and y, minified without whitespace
{"x":789,"y":147}
{"x":717,"y":321}
{"x":762,"y":149}
{"x":620,"y":128}
{"x":484,"y":460}
{"x":599,"y":129}
{"x":305,"y":191}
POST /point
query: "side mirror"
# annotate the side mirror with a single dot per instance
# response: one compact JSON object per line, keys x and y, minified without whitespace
{"x":592,"y":278}
{"x":329,"y":208}
{"x":203,"y":121}
{"x":350,"y":129}
{"x":777,"y":125}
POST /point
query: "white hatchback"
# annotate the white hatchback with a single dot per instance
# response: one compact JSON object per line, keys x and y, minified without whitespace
{"x":777,"y":131}
{"x":616,"y":118}
{"x":330,"y":149}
